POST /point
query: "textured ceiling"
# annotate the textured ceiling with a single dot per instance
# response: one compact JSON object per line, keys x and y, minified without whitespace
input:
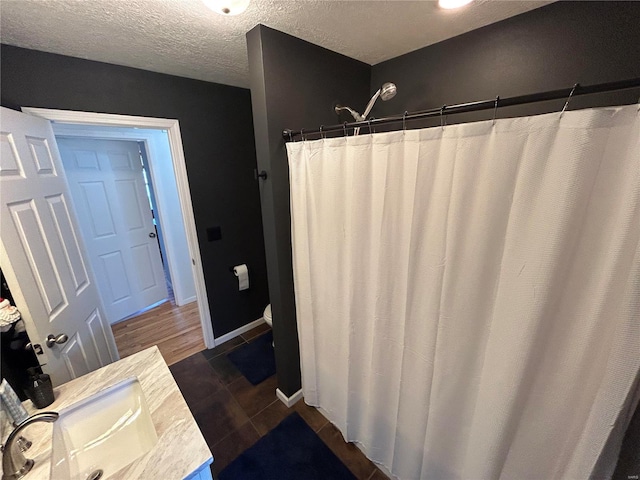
{"x":185,"y":38}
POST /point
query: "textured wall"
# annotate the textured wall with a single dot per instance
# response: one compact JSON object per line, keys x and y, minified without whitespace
{"x":217,"y":134}
{"x":294,"y":84}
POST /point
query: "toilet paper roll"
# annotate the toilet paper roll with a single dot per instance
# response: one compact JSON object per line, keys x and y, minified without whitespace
{"x":242,"y":272}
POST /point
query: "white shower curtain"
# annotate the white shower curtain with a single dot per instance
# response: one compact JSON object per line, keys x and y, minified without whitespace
{"x":468,"y":298}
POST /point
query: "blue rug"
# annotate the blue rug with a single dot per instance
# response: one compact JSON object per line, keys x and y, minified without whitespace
{"x":291,"y":451}
{"x":256,"y":360}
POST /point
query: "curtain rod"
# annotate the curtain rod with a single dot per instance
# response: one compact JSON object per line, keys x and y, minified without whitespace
{"x":494,"y":103}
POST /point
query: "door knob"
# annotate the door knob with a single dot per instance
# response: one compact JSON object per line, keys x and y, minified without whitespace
{"x":152,"y":235}
{"x":52,"y":339}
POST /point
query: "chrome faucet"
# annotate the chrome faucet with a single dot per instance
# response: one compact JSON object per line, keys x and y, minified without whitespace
{"x":14,"y":463}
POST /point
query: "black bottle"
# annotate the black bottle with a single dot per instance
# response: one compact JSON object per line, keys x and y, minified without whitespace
{"x":40,"y":388}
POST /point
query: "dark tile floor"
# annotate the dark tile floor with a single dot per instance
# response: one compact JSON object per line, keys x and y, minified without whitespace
{"x":233,"y":414}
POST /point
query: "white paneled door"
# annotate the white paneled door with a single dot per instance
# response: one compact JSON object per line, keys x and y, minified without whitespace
{"x":109,"y":193}
{"x":42,"y":253}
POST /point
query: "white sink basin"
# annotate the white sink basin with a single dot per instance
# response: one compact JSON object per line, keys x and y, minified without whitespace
{"x":106,"y":432}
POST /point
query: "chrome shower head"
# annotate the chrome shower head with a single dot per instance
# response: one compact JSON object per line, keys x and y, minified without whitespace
{"x":388,"y":91}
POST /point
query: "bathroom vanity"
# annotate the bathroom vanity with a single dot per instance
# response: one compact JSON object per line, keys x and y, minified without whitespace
{"x":160,"y":439}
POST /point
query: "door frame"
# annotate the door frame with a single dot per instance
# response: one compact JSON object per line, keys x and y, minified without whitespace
{"x":179,"y":166}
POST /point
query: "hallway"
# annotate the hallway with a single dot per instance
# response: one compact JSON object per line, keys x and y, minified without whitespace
{"x":176,"y":331}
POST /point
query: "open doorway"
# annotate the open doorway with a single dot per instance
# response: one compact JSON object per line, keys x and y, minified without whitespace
{"x":158,"y":150}
{"x":112,"y":198}
{"x":147,"y":287}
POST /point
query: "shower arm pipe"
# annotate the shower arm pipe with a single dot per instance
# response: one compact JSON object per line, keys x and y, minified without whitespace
{"x":500,"y":102}
{"x":353,"y":113}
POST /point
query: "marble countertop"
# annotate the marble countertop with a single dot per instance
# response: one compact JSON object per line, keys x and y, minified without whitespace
{"x":181,"y":448}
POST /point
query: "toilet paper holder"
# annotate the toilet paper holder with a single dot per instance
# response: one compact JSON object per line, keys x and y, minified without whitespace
{"x":231,"y":269}
{"x":242,"y":273}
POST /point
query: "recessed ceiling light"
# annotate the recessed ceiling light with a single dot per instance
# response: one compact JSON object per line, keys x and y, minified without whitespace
{"x":449,"y":4}
{"x":227,"y":7}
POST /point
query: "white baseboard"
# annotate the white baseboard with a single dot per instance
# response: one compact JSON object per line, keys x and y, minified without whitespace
{"x":289,"y":401}
{"x":238,"y":331}
{"x":186,"y":301}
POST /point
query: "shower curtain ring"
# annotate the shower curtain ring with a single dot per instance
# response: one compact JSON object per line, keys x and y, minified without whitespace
{"x":404,"y":120}
{"x":290,"y":136}
{"x":442,"y":122}
{"x":302,"y":135}
{"x":344,"y":128}
{"x":321,"y":134}
{"x":372,"y":128}
{"x":566,"y":104}
{"x":495,"y":110}
{"x":369,"y":124}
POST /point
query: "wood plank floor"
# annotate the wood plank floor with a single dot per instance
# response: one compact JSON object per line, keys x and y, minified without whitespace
{"x":175,"y":330}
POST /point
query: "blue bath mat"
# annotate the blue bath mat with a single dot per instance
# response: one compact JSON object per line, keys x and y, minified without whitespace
{"x":291,"y":451}
{"x":256,"y":360}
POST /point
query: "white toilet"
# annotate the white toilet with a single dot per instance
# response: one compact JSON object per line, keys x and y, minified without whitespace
{"x":267,"y":318}
{"x":267,"y":315}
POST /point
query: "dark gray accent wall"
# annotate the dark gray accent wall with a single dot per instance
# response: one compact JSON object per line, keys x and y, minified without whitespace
{"x":548,"y":48}
{"x":217,"y":134}
{"x":294,"y":84}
